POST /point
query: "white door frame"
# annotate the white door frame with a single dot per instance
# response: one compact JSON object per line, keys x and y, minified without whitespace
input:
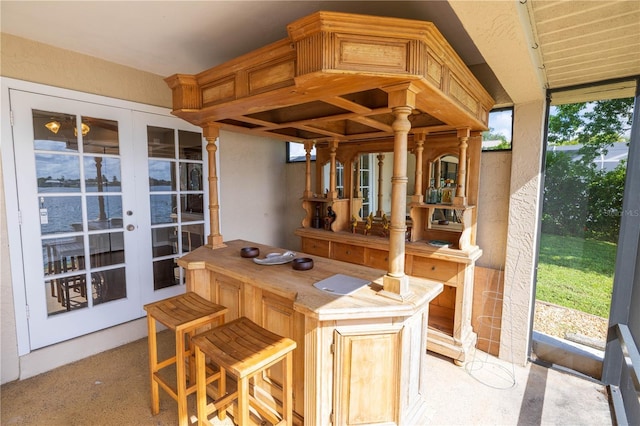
{"x":9,"y":174}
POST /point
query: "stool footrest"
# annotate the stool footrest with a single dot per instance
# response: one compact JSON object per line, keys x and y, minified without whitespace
{"x":264,"y":410}
{"x":221,"y":402}
{"x":165,"y":363}
{"x":166,"y":386}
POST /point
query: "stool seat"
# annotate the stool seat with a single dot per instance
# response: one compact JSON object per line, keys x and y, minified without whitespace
{"x":182,"y":314}
{"x":242,"y":348}
{"x":185,"y":311}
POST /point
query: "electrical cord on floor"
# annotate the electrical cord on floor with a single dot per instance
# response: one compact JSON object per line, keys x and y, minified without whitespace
{"x":490,"y":371}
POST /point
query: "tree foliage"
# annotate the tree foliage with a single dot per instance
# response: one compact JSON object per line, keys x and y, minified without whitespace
{"x":594,"y":125}
{"x":580,"y":200}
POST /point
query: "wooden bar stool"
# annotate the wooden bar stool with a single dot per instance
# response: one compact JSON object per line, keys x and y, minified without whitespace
{"x":182,"y":314}
{"x":242,"y":348}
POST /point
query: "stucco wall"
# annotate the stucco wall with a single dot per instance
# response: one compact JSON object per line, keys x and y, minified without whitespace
{"x":493,"y":208}
{"x":253,"y":187}
{"x":528,"y":130}
{"x":41,"y":63}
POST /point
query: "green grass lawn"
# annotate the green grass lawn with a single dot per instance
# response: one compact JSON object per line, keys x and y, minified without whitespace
{"x":576,"y":273}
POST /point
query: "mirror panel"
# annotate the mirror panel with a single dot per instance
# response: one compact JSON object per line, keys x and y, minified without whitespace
{"x":374,"y":185}
{"x":326,"y":178}
{"x":442,"y":180}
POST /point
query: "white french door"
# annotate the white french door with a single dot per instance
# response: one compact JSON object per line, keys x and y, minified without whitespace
{"x":171,"y":184}
{"x":103,"y":220}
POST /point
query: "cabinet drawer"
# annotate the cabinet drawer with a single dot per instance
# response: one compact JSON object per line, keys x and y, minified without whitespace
{"x":348,"y":253}
{"x":315,"y":247}
{"x":435,"y":269}
{"x":378,"y":259}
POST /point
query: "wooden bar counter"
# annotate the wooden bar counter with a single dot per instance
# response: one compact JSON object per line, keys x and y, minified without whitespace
{"x":361,"y":358}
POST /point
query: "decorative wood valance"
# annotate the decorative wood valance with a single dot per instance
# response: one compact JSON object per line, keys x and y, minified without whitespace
{"x":334,"y":78}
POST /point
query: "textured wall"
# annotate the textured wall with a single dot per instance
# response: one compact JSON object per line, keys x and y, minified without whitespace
{"x":40,"y":63}
{"x":522,"y":230}
{"x":9,"y":367}
{"x":493,"y":208}
{"x":253,"y":188}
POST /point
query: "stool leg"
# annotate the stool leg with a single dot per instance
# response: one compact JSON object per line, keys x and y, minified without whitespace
{"x":153,"y":364}
{"x":222,"y":391}
{"x":191,"y":360}
{"x":181,"y":379}
{"x":201,"y":382}
{"x":287,"y":389}
{"x":243,"y":401}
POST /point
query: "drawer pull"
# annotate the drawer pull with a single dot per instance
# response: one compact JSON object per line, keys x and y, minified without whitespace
{"x":433,"y":268}
{"x":348,"y":252}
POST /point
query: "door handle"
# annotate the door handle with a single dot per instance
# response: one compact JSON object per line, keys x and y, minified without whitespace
{"x":130,"y":227}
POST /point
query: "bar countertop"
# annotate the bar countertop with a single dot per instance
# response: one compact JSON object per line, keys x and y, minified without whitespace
{"x":282,"y":279}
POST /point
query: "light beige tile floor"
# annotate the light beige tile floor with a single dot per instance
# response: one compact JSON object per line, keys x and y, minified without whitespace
{"x":112,"y":388}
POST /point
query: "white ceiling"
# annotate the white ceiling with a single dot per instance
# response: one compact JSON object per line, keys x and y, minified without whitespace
{"x":527,"y":44}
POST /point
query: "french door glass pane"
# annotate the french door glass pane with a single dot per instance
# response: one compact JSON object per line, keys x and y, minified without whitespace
{"x":108,"y":285}
{"x":102,"y":174}
{"x":106,"y":249}
{"x":54,"y":131}
{"x":58,"y":172}
{"x":60,"y":214}
{"x":192,"y":237}
{"x":163,"y":207}
{"x":162,"y":176}
{"x":73,"y":182}
{"x":164,"y":241}
{"x":99,"y":136}
{"x":104,"y":211}
{"x":161,"y":142}
{"x":190,"y":176}
{"x":190,"y":145}
{"x":176,"y":197}
{"x":191,"y":208}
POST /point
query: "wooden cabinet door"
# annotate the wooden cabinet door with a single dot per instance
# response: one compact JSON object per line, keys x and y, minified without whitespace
{"x":435,"y":269}
{"x":228,"y":292}
{"x":378,"y":259}
{"x":348,"y":253}
{"x":315,"y":247}
{"x":367,"y":374}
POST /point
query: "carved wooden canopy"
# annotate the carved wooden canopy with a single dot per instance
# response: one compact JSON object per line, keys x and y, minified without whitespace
{"x":333,"y":78}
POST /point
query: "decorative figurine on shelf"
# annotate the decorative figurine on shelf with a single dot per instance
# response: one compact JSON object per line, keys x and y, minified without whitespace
{"x":369,"y":224}
{"x":448,"y":192}
{"x":354,"y":224}
{"x":385,"y":225}
{"x":316,"y":223}
{"x":432,"y":194}
{"x":329,"y":218}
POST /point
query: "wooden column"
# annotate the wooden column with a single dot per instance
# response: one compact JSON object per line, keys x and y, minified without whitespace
{"x":214,"y":239}
{"x":358,"y":190}
{"x":461,"y":191}
{"x":395,"y":282}
{"x":308,"y":146}
{"x":380,"y":158}
{"x":333,"y":193}
{"x":418,"y":192}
